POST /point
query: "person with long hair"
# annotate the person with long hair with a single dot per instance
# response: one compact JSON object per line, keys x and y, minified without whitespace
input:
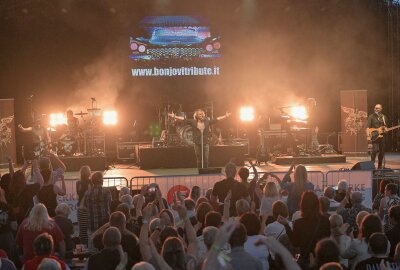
{"x":297,"y":187}
{"x":270,"y":195}
{"x":200,"y":125}
{"x":83,"y":185}
{"x":307,"y":230}
{"x":38,"y":222}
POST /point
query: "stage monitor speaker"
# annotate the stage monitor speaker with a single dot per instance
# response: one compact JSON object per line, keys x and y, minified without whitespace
{"x":363,"y":165}
{"x":210,"y":171}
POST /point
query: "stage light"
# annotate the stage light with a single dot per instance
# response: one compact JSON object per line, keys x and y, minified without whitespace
{"x":134,"y":46}
{"x":56,"y":119}
{"x":299,"y":112}
{"x":247,"y":114}
{"x":142,"y":48}
{"x":110,"y":118}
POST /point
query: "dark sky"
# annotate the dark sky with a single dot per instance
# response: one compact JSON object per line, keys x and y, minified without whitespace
{"x":275,"y":53}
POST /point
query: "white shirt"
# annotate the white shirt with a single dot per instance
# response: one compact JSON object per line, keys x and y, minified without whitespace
{"x":258,"y":252}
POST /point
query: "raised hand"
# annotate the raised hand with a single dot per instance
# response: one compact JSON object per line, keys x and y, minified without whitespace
{"x":228,"y":197}
{"x":225,"y":232}
{"x":181,"y":211}
{"x":148,"y":211}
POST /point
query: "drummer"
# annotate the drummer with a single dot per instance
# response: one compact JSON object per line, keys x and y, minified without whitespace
{"x":72,"y":123}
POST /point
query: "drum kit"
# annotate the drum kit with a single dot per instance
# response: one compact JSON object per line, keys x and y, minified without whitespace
{"x":81,"y":136}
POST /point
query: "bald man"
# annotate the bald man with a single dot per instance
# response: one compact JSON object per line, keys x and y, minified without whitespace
{"x":377,"y":120}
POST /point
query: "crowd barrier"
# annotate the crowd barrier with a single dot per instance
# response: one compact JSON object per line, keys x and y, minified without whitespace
{"x":170,"y":184}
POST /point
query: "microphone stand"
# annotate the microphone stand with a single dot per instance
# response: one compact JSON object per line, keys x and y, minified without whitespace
{"x":202,"y":150}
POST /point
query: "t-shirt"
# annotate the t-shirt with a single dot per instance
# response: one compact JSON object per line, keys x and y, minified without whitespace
{"x":34,"y":263}
{"x":26,"y":237}
{"x":222,"y":188}
{"x":373,"y":263}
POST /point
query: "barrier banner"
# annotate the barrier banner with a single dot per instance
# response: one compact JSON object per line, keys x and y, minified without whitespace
{"x":354,"y":117}
{"x":7,"y":130}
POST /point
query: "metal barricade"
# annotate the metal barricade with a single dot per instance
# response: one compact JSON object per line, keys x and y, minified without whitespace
{"x":172,"y":183}
{"x":359,"y":180}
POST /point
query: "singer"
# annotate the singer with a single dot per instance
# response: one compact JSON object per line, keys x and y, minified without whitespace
{"x":377,"y":120}
{"x":200,"y":126}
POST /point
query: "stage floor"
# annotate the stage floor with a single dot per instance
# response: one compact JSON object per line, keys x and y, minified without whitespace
{"x":129,"y":171}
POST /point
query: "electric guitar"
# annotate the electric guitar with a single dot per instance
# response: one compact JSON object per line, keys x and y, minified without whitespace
{"x":377,"y":133}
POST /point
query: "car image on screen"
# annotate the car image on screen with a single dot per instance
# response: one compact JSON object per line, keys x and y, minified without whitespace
{"x":174,"y":37}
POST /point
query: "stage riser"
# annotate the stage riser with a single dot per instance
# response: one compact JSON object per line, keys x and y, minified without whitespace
{"x":75,"y":163}
{"x":310,"y":160}
{"x":184,"y":157}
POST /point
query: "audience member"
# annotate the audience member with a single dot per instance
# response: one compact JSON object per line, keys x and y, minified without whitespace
{"x":253,"y":229}
{"x":325,"y":251}
{"x":311,"y":227}
{"x":195,"y":193}
{"x":376,"y":203}
{"x":324,"y":205}
{"x":110,"y":256}
{"x":43,"y":246}
{"x":97,"y":200}
{"x":83,"y":185}
{"x":329,"y":193}
{"x":270,"y":195}
{"x":349,"y":214}
{"x":339,"y":235}
{"x":38,"y":222}
{"x":62,"y":219}
{"x":341,"y":192}
{"x":379,"y":250}
{"x":390,"y":199}
{"x":115,"y":202}
{"x":221,"y":189}
{"x":276,"y":229}
{"x":393,"y":234}
{"x":49,"y":264}
{"x":358,"y":250}
{"x":239,"y":258}
{"x":8,"y":226}
{"x":297,"y":187}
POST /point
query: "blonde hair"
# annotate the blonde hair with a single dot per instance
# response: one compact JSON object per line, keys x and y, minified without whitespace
{"x":63,"y":209}
{"x":39,"y":219}
{"x":195,"y":115}
{"x":300,"y":178}
{"x":336,"y":222}
{"x":270,"y":190}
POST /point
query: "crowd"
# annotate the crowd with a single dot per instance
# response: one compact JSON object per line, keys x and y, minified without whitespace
{"x":260,"y":223}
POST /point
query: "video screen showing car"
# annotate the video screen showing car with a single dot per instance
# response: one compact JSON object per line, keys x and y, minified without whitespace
{"x":174,"y":46}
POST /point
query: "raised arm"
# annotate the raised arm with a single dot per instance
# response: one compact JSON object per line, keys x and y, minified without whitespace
{"x":211,"y":262}
{"x":227,"y":206}
{"x":144,"y":233}
{"x":190,"y":232}
{"x":254,"y":170}
{"x":37,"y":176}
{"x":174,"y":116}
{"x":226,"y":115}
{"x":24,"y":130}
{"x":57,"y":162}
{"x":61,"y":190}
{"x":10,"y":165}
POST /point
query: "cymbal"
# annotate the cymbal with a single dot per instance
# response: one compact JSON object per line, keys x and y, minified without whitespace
{"x":81,"y":113}
{"x":94,"y":110}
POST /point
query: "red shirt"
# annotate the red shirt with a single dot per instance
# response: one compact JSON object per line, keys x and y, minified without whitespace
{"x":34,"y":263}
{"x":26,"y":237}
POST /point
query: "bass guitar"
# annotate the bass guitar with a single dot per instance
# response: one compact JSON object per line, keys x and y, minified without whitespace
{"x":377,"y":133}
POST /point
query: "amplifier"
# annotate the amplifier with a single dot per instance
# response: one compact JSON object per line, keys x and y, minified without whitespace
{"x":127,"y":151}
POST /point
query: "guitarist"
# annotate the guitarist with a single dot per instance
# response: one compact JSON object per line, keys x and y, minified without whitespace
{"x":40,"y":136}
{"x":377,"y":120}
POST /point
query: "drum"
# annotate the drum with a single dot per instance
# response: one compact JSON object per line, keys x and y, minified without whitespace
{"x":67,"y":145}
{"x":186,"y":134}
